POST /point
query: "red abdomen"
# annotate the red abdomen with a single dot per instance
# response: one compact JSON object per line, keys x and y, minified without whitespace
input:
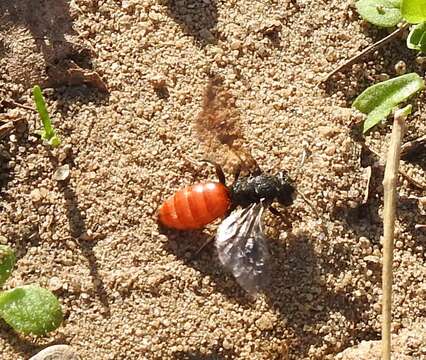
{"x":195,"y":206}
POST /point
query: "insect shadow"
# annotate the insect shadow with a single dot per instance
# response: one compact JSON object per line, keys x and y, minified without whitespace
{"x":296,"y":289}
{"x":299,"y":293}
{"x":185,"y":246}
{"x":196,"y":18}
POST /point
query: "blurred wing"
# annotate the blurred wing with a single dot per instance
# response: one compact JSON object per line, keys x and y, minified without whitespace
{"x":241,"y":246}
{"x":218,"y":127}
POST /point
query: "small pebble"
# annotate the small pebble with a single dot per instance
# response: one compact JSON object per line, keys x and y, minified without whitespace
{"x":57,"y":352}
{"x":55,"y":283}
{"x":227,"y":344}
{"x":372,"y":259}
{"x":35,"y":195}
{"x":400,"y":67}
{"x":62,"y":173}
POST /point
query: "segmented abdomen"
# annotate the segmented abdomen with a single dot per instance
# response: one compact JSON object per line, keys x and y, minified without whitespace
{"x":195,"y":206}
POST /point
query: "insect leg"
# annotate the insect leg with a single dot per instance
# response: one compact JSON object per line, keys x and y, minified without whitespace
{"x":219,"y":172}
{"x":207,"y":242}
{"x":237,"y":173}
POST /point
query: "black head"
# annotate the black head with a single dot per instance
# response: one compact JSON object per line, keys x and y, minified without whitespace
{"x":286,"y":190}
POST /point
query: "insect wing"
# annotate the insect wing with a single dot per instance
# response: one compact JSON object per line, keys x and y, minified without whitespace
{"x":218,"y":126}
{"x":241,"y":246}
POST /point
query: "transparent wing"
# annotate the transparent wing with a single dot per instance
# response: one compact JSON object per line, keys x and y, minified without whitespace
{"x":241,"y":246}
{"x":218,"y":126}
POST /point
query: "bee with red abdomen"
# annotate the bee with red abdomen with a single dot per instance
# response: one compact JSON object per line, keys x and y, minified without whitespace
{"x":195,"y":206}
{"x":240,"y":241}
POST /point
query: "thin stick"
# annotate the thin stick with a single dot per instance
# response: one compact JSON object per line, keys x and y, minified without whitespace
{"x":364,"y":52}
{"x":13,"y":102}
{"x":401,"y":171}
{"x":412,"y":145}
{"x":389,"y":185}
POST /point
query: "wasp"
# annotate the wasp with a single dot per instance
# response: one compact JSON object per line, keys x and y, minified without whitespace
{"x":240,"y":240}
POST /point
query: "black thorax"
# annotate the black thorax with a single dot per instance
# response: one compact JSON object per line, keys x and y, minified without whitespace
{"x":252,"y":189}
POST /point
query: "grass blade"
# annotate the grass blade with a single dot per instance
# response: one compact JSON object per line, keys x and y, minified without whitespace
{"x":48,"y":133}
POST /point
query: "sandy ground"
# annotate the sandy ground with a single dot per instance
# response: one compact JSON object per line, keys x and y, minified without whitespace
{"x":130,"y":292}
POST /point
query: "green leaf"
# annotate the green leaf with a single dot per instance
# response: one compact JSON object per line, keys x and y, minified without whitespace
{"x":378,"y":100}
{"x":414,"y":11}
{"x":417,"y":38}
{"x":384,"y":13}
{"x":31,"y":310}
{"x":48,"y":133}
{"x":7,"y":262}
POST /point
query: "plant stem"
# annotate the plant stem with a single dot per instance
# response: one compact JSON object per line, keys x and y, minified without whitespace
{"x":389,"y":184}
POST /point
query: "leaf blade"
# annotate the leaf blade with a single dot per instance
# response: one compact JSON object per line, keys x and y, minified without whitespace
{"x":416,"y":40}
{"x":7,"y":262}
{"x":383,"y":13}
{"x":31,"y":310}
{"x":378,"y":100}
{"x":48,"y":132}
{"x":414,"y":11}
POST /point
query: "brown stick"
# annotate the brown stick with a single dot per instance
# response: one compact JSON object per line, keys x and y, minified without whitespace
{"x":389,"y":185}
{"x":364,"y":52}
{"x":14,"y":103}
{"x":412,"y":145}
{"x":401,"y":171}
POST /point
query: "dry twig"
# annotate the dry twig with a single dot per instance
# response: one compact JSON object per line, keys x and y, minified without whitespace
{"x":413,"y":145}
{"x":403,"y":173}
{"x":389,"y":184}
{"x":9,"y":102}
{"x":366,"y":51}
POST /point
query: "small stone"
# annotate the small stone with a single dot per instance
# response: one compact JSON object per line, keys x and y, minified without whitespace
{"x":227,"y":344}
{"x":265,"y":322}
{"x":331,"y":150}
{"x":55,"y":284}
{"x":326,"y":131}
{"x":36,"y":195}
{"x":400,"y":67}
{"x":158,"y":82}
{"x":62,"y":173}
{"x":421,"y":60}
{"x":64,"y":153}
{"x":57,"y":352}
{"x":236,"y":45}
{"x":372,"y":259}
{"x":364,"y":242}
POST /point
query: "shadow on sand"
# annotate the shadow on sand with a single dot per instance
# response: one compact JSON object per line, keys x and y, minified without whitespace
{"x":296,"y":290}
{"x":196,"y":18}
